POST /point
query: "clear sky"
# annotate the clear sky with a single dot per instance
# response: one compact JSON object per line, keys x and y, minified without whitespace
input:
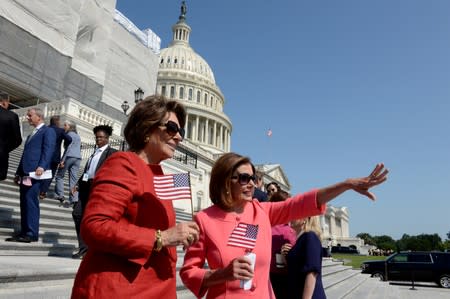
{"x":343,"y":85}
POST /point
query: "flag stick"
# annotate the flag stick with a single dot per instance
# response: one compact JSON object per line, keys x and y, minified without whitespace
{"x":192,"y":203}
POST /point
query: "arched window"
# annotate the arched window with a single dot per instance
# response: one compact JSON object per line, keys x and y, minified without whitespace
{"x":198,"y":96}
{"x":172,"y":91}
{"x":181,"y":92}
{"x":190,"y":94}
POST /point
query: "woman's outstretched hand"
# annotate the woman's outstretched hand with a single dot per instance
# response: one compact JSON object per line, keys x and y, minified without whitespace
{"x":362,"y":185}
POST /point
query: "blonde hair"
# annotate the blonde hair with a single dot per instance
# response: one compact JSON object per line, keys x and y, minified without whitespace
{"x":313,"y":225}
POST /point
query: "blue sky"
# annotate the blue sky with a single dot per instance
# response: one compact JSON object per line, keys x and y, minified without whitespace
{"x":343,"y":85}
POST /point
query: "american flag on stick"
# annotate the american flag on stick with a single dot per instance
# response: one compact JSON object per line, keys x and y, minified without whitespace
{"x":269,"y":133}
{"x":244,"y":235}
{"x":173,"y":186}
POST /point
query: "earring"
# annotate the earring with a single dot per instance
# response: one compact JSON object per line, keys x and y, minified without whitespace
{"x":147,"y":139}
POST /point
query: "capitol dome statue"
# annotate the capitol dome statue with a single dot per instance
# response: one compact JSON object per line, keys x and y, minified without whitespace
{"x":184,"y":75}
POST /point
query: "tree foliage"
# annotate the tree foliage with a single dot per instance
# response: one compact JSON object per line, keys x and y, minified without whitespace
{"x":422,"y":242}
{"x":368,"y":239}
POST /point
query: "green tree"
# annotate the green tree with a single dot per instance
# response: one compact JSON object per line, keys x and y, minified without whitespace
{"x":423,"y":242}
{"x":368,"y":239}
{"x":385,"y":242}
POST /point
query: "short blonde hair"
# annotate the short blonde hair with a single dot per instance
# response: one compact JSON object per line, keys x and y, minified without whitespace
{"x":313,"y":225}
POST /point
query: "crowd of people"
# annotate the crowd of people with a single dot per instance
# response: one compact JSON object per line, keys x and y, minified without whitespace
{"x":128,"y":236}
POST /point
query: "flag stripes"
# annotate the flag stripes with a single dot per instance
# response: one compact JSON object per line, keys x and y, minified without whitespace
{"x":173,"y":186}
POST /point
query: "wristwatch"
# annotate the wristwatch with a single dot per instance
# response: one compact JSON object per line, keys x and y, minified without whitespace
{"x":158,"y":243}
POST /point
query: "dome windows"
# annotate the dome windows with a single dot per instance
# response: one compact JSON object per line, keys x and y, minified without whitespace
{"x":181,"y":93}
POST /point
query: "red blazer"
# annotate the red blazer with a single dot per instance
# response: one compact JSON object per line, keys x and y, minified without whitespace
{"x":119,"y":227}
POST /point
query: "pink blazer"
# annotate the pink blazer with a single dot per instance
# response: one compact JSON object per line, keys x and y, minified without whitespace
{"x":216,"y":226}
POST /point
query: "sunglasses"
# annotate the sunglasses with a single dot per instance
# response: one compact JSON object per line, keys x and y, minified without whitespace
{"x":172,"y":129}
{"x":244,"y":178}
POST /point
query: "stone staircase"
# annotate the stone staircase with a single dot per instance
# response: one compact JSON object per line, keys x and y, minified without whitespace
{"x":44,"y":269}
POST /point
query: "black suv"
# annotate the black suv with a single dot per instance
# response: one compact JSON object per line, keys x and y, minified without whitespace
{"x":412,"y":266}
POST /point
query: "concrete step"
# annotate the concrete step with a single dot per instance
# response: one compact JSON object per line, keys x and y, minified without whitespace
{"x":373,"y":288}
{"x":341,"y":286}
{"x":49,"y":277}
{"x":54,"y":289}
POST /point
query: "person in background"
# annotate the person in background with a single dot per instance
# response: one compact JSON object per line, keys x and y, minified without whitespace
{"x":271,"y":188}
{"x":70,"y":162}
{"x":83,"y":188}
{"x":329,"y":246}
{"x":131,"y":233}
{"x":281,"y":234}
{"x":304,"y":261}
{"x":56,"y":159}
{"x":259,"y":194}
{"x":36,"y":157}
{"x":10,"y":136}
{"x":236,"y":229}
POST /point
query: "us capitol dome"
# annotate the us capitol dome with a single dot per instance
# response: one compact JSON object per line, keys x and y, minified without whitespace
{"x":184,"y":75}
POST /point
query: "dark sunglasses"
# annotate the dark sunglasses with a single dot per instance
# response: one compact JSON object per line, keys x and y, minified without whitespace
{"x":244,"y":178}
{"x":172,"y":129}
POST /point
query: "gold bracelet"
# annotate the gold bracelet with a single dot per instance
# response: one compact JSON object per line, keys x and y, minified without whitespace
{"x":158,"y":243}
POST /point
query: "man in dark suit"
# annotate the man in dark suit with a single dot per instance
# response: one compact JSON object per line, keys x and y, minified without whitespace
{"x":36,"y":157}
{"x":95,"y":161}
{"x":10,"y":136}
{"x":61,"y":136}
{"x":258,"y":193}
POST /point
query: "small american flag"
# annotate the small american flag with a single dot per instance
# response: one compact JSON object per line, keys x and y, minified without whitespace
{"x":173,"y":186}
{"x":244,"y":235}
{"x":269,"y":133}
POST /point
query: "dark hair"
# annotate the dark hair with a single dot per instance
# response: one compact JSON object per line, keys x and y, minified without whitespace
{"x":220,"y":182}
{"x":54,"y":119}
{"x":104,"y":128}
{"x":279,"y":196}
{"x":275,"y":184}
{"x":147,"y":115}
{"x":4,"y":96}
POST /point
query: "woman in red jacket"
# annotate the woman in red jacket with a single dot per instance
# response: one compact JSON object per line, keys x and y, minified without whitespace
{"x":131,"y":233}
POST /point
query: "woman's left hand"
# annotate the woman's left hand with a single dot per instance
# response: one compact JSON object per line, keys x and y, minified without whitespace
{"x":362,"y":185}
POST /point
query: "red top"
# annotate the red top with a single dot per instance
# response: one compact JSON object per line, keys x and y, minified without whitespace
{"x":119,"y":227}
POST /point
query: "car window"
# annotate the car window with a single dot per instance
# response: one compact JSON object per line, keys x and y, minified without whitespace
{"x":419,"y":258}
{"x":400,"y":258}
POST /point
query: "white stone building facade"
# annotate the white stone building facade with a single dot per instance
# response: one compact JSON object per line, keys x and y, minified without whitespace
{"x":82,"y":59}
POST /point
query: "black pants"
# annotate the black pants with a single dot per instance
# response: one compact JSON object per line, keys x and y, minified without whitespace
{"x":78,"y":212}
{"x":279,"y":283}
{"x":3,"y":166}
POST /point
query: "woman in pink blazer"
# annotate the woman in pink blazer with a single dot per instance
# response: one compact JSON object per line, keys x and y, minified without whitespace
{"x":235,"y":233}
